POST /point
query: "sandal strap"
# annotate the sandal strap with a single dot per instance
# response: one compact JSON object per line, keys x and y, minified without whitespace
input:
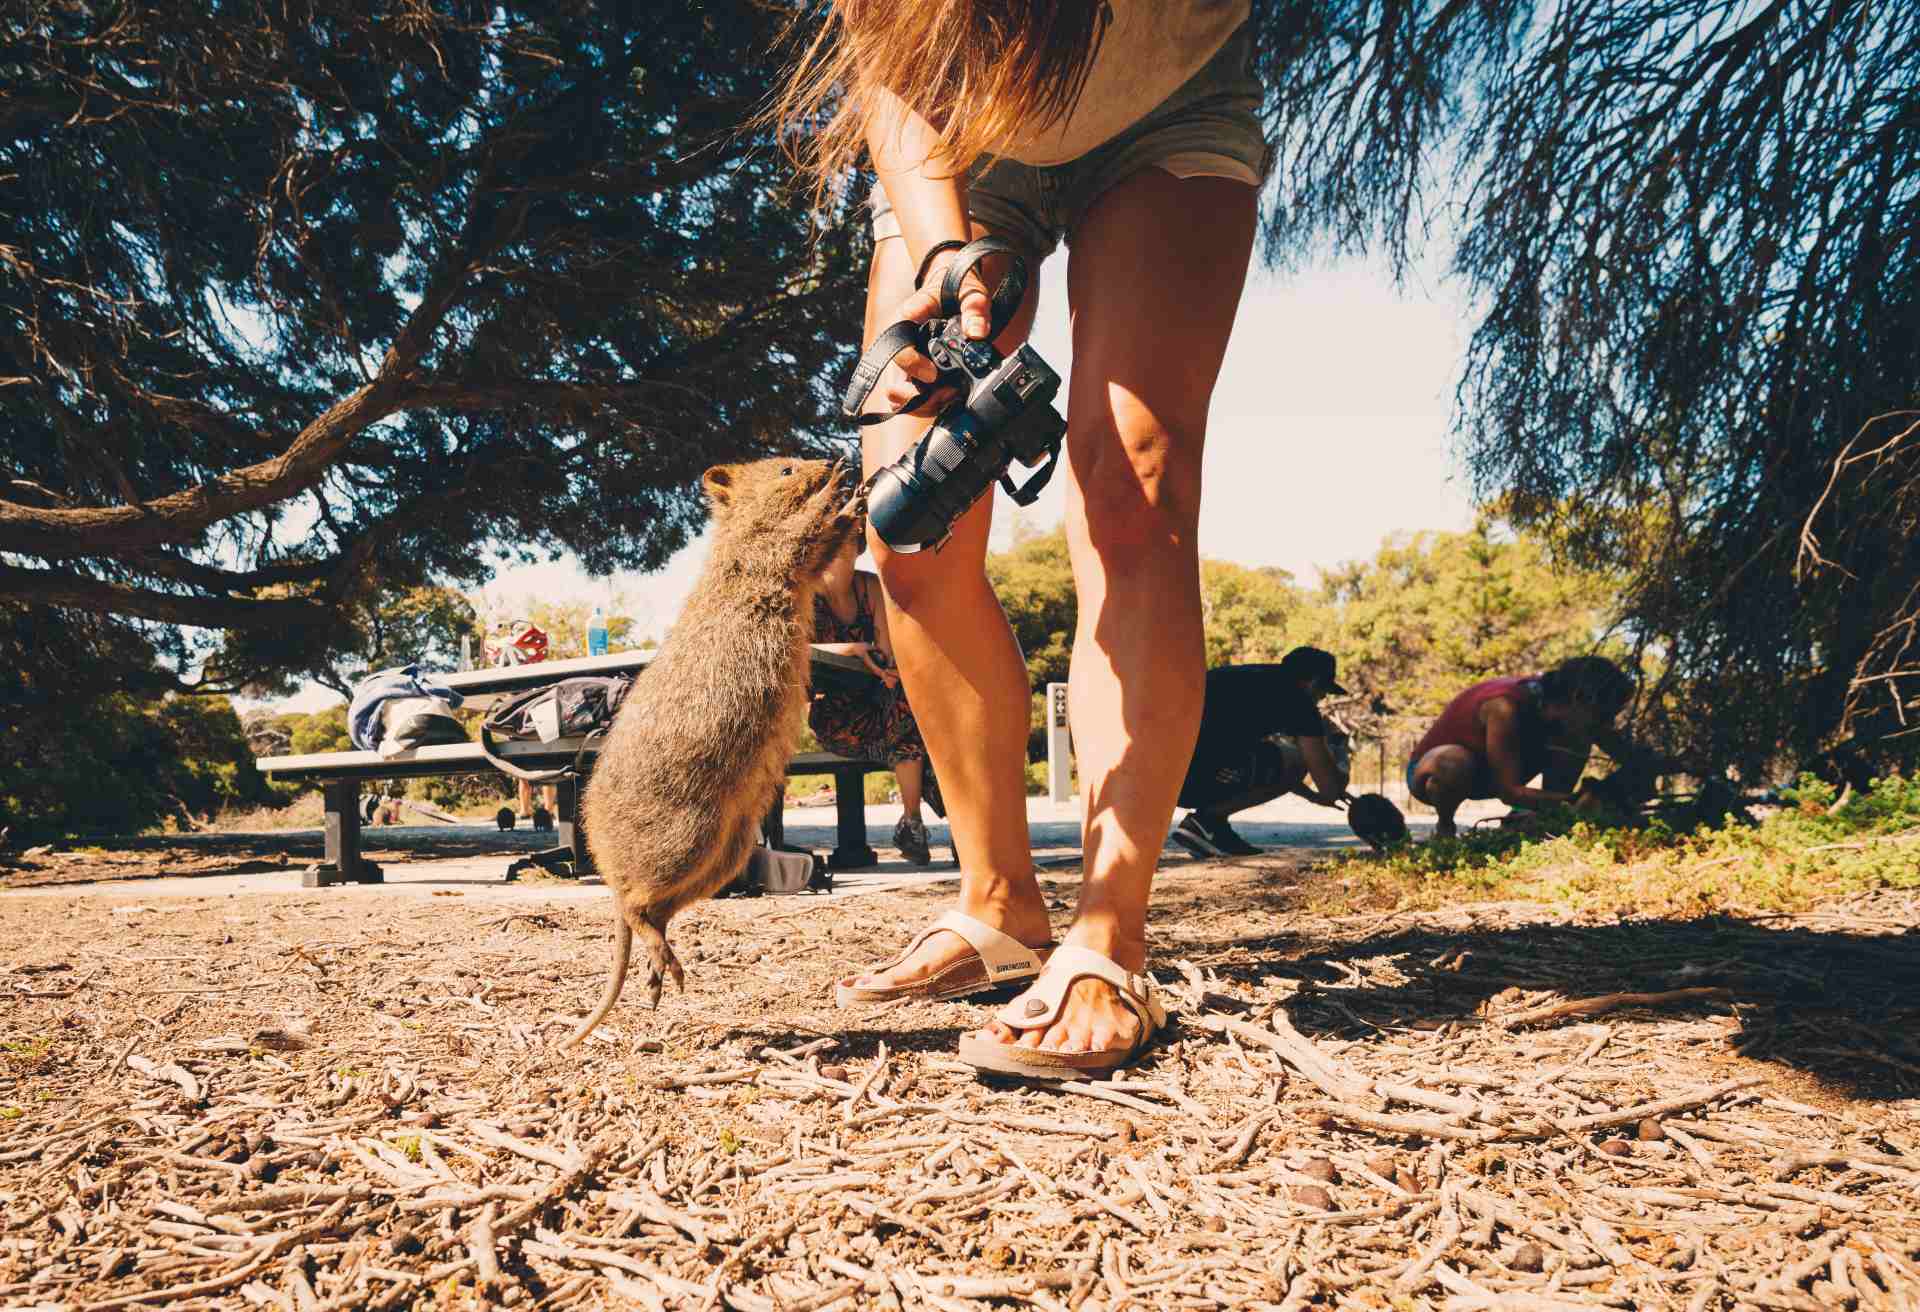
{"x":1040,"y":1005}
{"x":1002,"y":954}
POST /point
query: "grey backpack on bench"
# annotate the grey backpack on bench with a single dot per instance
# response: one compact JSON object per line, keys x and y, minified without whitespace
{"x":581,"y":707}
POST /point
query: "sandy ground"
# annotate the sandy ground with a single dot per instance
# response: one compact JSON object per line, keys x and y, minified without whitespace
{"x":219,"y":1090}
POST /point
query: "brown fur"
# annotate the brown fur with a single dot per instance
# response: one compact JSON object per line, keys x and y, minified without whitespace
{"x":701,"y":744}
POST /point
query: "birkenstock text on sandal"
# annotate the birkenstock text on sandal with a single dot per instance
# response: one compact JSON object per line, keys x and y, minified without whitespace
{"x":996,"y":961}
{"x":1040,"y":1006}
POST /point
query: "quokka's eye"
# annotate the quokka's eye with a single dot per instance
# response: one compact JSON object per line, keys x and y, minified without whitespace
{"x":786,"y":470}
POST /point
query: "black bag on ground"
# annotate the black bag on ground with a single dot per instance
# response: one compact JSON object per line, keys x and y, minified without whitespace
{"x":776,"y":871}
{"x":581,"y":707}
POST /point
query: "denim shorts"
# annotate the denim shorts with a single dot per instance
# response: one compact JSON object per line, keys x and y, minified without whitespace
{"x":1210,"y":127}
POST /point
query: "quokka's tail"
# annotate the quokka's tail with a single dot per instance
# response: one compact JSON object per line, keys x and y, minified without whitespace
{"x":622,"y":950}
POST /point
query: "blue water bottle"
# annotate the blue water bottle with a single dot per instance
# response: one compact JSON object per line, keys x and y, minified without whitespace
{"x":597,"y":634}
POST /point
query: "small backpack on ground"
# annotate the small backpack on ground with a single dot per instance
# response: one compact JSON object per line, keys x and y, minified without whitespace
{"x":778,"y":871}
{"x":581,"y":707}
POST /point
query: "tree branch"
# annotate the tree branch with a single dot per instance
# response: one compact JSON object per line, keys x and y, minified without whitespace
{"x":58,"y":588}
{"x":179,"y":518}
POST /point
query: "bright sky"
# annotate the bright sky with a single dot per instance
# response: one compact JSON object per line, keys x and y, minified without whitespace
{"x":1329,"y":431}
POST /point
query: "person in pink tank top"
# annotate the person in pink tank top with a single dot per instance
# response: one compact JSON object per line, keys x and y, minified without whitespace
{"x":1500,"y":734}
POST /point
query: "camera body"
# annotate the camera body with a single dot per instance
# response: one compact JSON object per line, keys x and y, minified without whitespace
{"x":1005,"y":415}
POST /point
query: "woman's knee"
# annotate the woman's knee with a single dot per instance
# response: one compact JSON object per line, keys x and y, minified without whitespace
{"x":917,"y":581}
{"x":1138,"y":486}
{"x":1445,"y":773}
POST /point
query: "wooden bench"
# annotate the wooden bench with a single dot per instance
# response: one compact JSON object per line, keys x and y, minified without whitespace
{"x":340,"y":774}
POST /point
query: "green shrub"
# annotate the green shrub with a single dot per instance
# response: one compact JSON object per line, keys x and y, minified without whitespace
{"x":1794,"y":856}
{"x":322,"y":731}
{"x":120,"y":764}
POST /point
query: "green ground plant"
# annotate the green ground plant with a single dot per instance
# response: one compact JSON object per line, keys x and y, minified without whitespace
{"x":1799,"y":853}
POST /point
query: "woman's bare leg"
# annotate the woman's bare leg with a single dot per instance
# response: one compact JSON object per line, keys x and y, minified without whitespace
{"x":1442,"y":779}
{"x":964,"y":676}
{"x":908,"y":775}
{"x":1155,"y":278}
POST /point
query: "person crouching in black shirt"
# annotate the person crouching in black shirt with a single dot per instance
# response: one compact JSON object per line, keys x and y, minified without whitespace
{"x":1261,"y":735}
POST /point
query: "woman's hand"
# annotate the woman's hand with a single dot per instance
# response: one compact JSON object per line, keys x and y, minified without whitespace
{"x":912,"y":368}
{"x":873,"y":657}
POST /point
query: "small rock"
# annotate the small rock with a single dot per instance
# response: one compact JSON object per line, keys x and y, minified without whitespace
{"x":1213,"y":1224}
{"x":1407,"y":1180}
{"x":258,"y":1168}
{"x":1317,"y":1120}
{"x":1383,"y":1167}
{"x":834,"y":1073}
{"x":1651,"y":1131}
{"x":1616,"y":1148}
{"x":1321,"y":1169}
{"x":1311,"y":1195}
{"x":1527,"y":1257}
{"x":649,"y":1045}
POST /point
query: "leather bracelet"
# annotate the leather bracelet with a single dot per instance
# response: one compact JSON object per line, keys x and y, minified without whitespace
{"x":939,"y":248}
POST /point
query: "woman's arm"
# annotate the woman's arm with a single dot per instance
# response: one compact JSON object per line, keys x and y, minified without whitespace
{"x":867,"y":652}
{"x":1503,"y":754}
{"x":1331,"y":785}
{"x":930,"y":201}
{"x":869,"y":585}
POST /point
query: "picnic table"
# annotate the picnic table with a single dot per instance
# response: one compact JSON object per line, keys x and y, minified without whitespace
{"x":340,"y":774}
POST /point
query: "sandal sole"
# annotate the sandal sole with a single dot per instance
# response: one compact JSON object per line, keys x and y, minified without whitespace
{"x":1040,"y":1064}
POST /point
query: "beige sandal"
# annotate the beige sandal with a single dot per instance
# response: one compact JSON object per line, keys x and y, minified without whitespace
{"x":997,"y":960}
{"x":1040,"y":1007}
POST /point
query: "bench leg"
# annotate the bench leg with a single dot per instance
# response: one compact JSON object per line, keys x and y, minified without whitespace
{"x":850,"y":805}
{"x":571,"y":836}
{"x":342,"y":862}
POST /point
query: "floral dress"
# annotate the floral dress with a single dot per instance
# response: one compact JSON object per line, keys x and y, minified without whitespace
{"x":875,"y":722}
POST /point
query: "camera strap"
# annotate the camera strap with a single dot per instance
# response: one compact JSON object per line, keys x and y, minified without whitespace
{"x":897,"y":337}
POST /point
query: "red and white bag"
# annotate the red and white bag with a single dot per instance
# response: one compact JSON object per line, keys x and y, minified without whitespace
{"x":517,"y":642}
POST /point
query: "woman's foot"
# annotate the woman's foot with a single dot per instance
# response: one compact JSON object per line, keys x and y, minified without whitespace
{"x":1021,"y":917}
{"x":1063,"y":1026}
{"x":1093,"y":1018}
{"x":910,"y":836}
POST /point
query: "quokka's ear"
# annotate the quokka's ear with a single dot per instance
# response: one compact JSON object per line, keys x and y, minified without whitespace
{"x":718,"y":484}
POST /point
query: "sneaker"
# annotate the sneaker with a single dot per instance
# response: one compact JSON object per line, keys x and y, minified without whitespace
{"x":1206,"y":837}
{"x":910,"y":836}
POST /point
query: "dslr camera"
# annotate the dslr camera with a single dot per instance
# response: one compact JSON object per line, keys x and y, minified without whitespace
{"x":1005,"y":414}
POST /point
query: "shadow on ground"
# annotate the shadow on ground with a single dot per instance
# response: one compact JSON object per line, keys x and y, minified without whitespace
{"x":1835,"y":995}
{"x":1839,"y":1004}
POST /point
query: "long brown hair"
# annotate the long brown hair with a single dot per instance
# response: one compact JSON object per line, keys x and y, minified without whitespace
{"x":983,"y":72}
